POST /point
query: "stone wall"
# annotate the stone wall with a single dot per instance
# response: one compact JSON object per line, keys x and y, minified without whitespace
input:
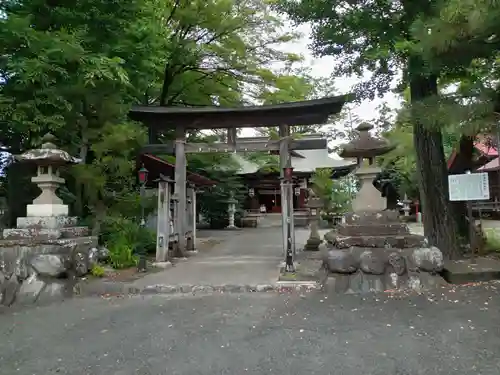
{"x":38,"y":269}
{"x":358,"y":269}
{"x":373,"y":251}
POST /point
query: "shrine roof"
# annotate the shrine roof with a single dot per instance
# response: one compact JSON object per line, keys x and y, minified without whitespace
{"x":490,"y":167}
{"x":307,"y":112}
{"x":157,"y":166}
{"x":309,"y":161}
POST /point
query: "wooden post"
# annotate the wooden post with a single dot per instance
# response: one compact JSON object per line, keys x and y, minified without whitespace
{"x":190,"y":216}
{"x":163,"y":221}
{"x":286,"y":199}
{"x":231,"y":136}
{"x":472,"y":229}
{"x":194,"y":216}
{"x":187,"y":222}
{"x":180,"y":187}
{"x":283,"y":160}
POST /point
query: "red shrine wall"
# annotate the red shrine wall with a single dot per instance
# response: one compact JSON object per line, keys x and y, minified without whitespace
{"x":302,"y":199}
{"x":272,"y":202}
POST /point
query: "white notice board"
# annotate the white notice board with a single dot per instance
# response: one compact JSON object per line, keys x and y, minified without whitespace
{"x":469,"y":187}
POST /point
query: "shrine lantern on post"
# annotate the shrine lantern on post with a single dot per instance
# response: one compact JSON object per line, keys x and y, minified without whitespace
{"x":288,"y":173}
{"x":143,"y":175}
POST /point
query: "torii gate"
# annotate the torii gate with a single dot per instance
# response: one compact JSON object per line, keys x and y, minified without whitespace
{"x":182,"y":119}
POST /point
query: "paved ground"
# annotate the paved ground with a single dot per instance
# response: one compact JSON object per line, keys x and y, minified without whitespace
{"x":247,"y":256}
{"x":454,"y":331}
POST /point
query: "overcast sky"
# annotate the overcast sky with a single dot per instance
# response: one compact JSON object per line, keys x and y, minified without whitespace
{"x":323,"y":67}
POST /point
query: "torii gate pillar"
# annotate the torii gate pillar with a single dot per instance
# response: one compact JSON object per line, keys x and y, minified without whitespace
{"x":180,"y":187}
{"x":287,"y":224}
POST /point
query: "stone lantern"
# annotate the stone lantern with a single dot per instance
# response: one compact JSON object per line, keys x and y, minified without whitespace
{"x":48,"y":159}
{"x":47,"y":250}
{"x":406,"y":206}
{"x":314,"y":205}
{"x":231,"y":210}
{"x":373,"y":250}
{"x":365,"y":148}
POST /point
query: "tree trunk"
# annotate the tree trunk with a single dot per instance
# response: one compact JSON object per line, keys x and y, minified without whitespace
{"x":463,"y":163}
{"x":439,"y":226}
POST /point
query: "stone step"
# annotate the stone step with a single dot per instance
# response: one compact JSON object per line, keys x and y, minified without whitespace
{"x":374,"y":229}
{"x":72,"y":232}
{"x":396,"y":241}
{"x":467,"y":271}
{"x":48,"y":242}
{"x":44,"y":234}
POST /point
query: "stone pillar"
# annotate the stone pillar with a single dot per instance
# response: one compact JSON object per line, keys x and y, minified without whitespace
{"x":163,"y":221}
{"x":180,"y":187}
{"x":368,"y":198}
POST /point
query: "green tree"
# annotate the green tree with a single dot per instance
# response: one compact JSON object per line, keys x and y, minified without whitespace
{"x":75,"y":69}
{"x":336,"y":195}
{"x":364,"y":37}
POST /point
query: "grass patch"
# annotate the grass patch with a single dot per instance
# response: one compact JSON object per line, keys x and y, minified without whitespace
{"x":97,"y":271}
{"x":288,"y":276}
{"x":492,"y":241}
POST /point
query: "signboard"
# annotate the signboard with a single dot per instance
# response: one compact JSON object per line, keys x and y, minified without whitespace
{"x":469,"y":187}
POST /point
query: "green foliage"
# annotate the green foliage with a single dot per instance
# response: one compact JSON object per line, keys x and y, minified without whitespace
{"x":213,"y":202}
{"x":124,"y":238}
{"x":121,"y":255}
{"x":492,"y":240}
{"x":97,"y":271}
{"x":75,"y":69}
{"x":336,"y":195}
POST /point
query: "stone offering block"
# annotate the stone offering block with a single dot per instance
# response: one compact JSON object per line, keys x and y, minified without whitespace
{"x":465,"y":271}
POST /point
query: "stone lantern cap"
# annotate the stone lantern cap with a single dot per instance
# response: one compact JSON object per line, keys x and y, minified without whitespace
{"x":48,"y":154}
{"x":231,"y":200}
{"x":366,"y":146}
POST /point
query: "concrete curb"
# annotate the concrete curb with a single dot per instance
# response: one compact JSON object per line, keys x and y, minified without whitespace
{"x":109,"y":288}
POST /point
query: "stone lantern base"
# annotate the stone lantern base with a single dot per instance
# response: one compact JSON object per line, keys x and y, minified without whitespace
{"x":375,"y":252}
{"x":312,"y":244}
{"x":44,"y":210}
{"x":41,"y":259}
